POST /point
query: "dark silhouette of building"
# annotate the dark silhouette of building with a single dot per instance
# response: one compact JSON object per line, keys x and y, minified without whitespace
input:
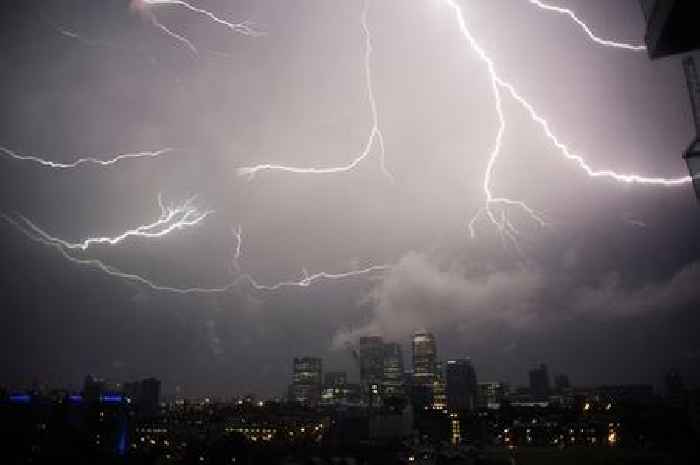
{"x":539,"y":383}
{"x":672,"y":26}
{"x":335,"y":379}
{"x":150,"y":396}
{"x":306,"y":381}
{"x":462,"y":385}
{"x":144,"y":395}
{"x":392,"y":382}
{"x":93,"y":388}
{"x":561,"y":383}
{"x":371,"y":367}
{"x":675,"y":390}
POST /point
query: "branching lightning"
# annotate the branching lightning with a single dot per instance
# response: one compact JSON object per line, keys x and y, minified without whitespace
{"x":36,"y":234}
{"x":306,"y":280}
{"x":83,"y":161}
{"x":32,"y":232}
{"x":497,"y":84}
{"x":375,"y":135}
{"x":171,"y":219}
{"x":586,"y":29}
{"x":245,"y":28}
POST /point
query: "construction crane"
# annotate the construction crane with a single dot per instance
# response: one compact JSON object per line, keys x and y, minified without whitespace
{"x":692,"y":153}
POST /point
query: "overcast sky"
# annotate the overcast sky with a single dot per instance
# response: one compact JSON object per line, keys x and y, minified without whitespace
{"x":607,"y":293}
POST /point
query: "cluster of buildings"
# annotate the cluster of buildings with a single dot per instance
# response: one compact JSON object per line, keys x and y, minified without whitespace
{"x":428,"y":384}
{"x":396,"y":413}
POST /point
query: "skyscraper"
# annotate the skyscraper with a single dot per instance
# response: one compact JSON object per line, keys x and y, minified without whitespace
{"x":424,"y":355}
{"x":439,"y":391}
{"x":490,"y":395}
{"x":306,"y":381}
{"x":393,"y":370}
{"x":335,"y":379}
{"x":561,"y":383}
{"x":150,"y":396}
{"x":371,"y":365}
{"x":539,"y":382}
{"x":461,"y":385}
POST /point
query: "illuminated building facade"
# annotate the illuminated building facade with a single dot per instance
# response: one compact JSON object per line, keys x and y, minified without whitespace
{"x":306,"y":382}
{"x":392,"y":382}
{"x":424,"y":358}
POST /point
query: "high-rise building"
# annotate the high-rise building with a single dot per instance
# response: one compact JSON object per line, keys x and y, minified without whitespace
{"x":371,"y":359}
{"x":306,"y":381}
{"x":462,"y":389}
{"x":675,"y":389}
{"x":392,"y":383}
{"x":144,"y":394}
{"x":439,"y":391}
{"x":490,"y":395}
{"x":150,"y":396}
{"x":561,"y":383}
{"x":424,"y":356}
{"x":371,"y":367}
{"x":335,"y":379}
{"x":539,"y":383}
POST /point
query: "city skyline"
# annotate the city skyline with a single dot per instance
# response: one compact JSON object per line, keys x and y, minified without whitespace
{"x":139,"y":238}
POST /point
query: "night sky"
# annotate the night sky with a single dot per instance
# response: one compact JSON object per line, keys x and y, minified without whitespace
{"x":608,"y":292}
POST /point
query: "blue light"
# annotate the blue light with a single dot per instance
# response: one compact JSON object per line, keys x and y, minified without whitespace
{"x":75,"y":398}
{"x":20,"y":398}
{"x":112,"y":399}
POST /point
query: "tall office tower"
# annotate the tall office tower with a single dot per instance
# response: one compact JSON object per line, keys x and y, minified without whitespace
{"x":561,"y":383}
{"x":335,"y":379}
{"x":306,"y":381}
{"x":150,"y":396}
{"x":440,"y":387}
{"x":490,"y":395}
{"x":393,"y":370}
{"x":462,"y":388}
{"x":335,"y":387}
{"x":424,"y":355}
{"x":539,"y":383}
{"x":675,"y":389}
{"x":371,"y":365}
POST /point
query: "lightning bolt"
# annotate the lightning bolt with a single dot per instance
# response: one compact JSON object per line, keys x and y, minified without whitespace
{"x":238,"y":236}
{"x":498,"y":84}
{"x":306,"y":280}
{"x":586,"y":29}
{"x":245,"y":28}
{"x":375,"y":134}
{"x":171,"y":219}
{"x":173,"y":34}
{"x":83,"y":161}
{"x":36,"y":234}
